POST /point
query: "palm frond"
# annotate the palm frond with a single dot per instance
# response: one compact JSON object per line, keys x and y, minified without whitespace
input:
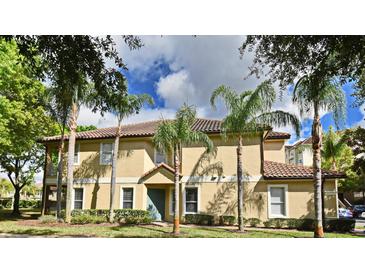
{"x":279,"y":118}
{"x":229,"y":97}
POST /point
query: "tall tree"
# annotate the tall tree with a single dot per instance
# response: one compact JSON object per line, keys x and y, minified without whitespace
{"x":313,"y":94}
{"x":316,"y":60}
{"x":249,"y":113}
{"x":171,"y":136}
{"x":23,"y":120}
{"x":71,"y":63}
{"x":58,"y":105}
{"x":122,"y":105}
{"x":333,"y":150}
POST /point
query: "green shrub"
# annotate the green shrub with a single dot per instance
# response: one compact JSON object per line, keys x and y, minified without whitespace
{"x":269,"y":223}
{"x":30,"y":204}
{"x":227,"y":220}
{"x":47,"y":219}
{"x":124,"y":215}
{"x":88,"y":219}
{"x":254,"y":222}
{"x":305,"y":224}
{"x":136,"y":220}
{"x":339,"y":225}
{"x":199,"y":219}
{"x":292,"y":223}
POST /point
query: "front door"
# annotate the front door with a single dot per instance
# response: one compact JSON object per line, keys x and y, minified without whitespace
{"x":156,"y":203}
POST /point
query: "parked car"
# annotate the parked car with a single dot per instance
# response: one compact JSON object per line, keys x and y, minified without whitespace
{"x":344,"y":213}
{"x":357,"y":210}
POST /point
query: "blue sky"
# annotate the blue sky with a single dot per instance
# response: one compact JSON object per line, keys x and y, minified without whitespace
{"x":178,"y":69}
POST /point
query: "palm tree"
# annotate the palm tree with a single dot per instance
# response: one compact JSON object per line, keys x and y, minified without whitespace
{"x":171,"y":136}
{"x":59,"y":108}
{"x":248,"y":114}
{"x":333,"y":148}
{"x":312,"y":94}
{"x":123,"y":106}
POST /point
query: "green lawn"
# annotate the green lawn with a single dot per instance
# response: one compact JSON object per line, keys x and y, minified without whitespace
{"x":22,"y":225}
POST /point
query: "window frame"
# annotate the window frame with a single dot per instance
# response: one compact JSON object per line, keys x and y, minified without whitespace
{"x":101,"y":155}
{"x":77,"y":150}
{"x":155,"y":156}
{"x":286,"y":202}
{"x":83,"y":197}
{"x":197,"y":187}
{"x":133,"y":196}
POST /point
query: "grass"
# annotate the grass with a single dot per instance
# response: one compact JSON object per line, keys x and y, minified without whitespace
{"x":18,"y":225}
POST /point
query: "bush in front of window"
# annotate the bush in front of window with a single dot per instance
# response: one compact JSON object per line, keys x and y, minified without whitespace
{"x":276,"y":223}
{"x":227,"y":220}
{"x":199,"y":219}
{"x":132,"y":216}
{"x":88,"y":219}
{"x":254,"y":222}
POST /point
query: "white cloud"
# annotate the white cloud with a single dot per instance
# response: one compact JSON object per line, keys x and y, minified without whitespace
{"x":362,"y":122}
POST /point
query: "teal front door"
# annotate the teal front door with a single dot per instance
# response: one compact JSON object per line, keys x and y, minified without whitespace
{"x":156,"y":203}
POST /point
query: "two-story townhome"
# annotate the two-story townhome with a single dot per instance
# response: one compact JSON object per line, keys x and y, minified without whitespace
{"x":300,"y":153}
{"x":272,"y":188}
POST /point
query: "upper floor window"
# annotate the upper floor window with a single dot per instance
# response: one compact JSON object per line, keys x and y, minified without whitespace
{"x":160,"y":157}
{"x":106,"y":153}
{"x":77,"y":154}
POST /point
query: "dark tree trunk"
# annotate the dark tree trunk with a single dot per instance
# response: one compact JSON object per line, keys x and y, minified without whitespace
{"x":60,"y":176}
{"x":240,"y":184}
{"x":317,"y":172}
{"x":44,"y":188}
{"x":16,"y":200}
{"x":176,"y":229}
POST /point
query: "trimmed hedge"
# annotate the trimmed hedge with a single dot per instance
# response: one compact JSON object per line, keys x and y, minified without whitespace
{"x":254,"y":222}
{"x":199,"y":219}
{"x":7,"y":203}
{"x":125,"y":216}
{"x":330,"y":225}
{"x":227,"y":220}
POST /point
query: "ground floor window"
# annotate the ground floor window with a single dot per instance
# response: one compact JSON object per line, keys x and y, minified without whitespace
{"x":128,"y":197}
{"x":277,"y":201}
{"x":191,"y":200}
{"x":78,"y":198}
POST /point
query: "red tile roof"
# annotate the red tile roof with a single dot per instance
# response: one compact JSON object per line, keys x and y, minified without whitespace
{"x":274,"y":170}
{"x":161,"y":165}
{"x":148,"y":129}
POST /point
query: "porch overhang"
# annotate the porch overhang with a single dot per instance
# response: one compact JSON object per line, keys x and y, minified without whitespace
{"x":160,"y":174}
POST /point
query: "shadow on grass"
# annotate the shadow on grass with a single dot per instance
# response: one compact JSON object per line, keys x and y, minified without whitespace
{"x":32,"y":232}
{"x":25,"y":214}
{"x":159,"y":232}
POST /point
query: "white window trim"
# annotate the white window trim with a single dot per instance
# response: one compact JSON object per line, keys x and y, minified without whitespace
{"x":73,"y":197}
{"x":121,"y":196}
{"x":77,"y":149}
{"x":184,"y":199}
{"x":101,"y":153}
{"x":154,"y":157}
{"x":270,"y":216}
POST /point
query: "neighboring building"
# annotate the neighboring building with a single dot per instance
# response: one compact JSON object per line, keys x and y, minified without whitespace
{"x":300,"y":153}
{"x":273,"y":189}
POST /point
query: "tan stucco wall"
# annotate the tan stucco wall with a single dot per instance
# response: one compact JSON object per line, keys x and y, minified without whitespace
{"x":219,"y":198}
{"x":195,"y":164}
{"x":274,"y":150}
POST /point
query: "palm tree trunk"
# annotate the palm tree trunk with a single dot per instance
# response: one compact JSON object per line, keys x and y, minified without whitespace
{"x":60,"y":175}
{"x":114,"y":172}
{"x":176,"y":229}
{"x":317,"y":172}
{"x":240,"y":185}
{"x":70,"y":160}
{"x":44,"y":187}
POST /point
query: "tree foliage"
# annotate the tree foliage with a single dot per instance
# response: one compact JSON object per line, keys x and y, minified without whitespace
{"x":23,"y":118}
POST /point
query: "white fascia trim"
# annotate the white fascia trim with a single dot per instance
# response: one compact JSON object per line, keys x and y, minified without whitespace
{"x":216,"y":179}
{"x":285,"y":186}
{"x":121,"y":196}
